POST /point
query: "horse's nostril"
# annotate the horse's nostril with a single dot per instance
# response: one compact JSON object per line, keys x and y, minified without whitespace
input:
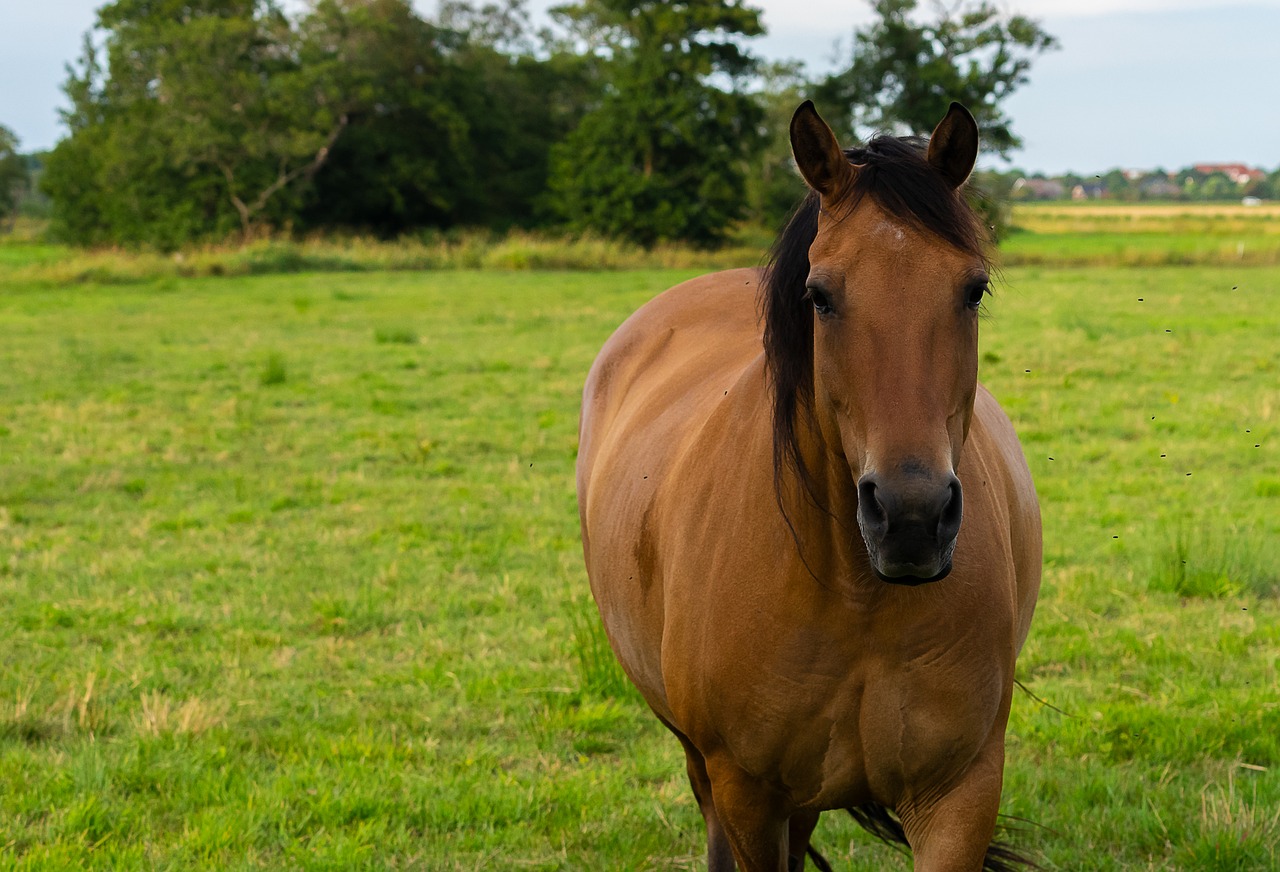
{"x":952,"y":511}
{"x":871,"y":513}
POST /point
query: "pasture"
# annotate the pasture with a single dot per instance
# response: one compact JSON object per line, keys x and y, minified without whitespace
{"x":290,"y":575}
{"x":1097,"y":233}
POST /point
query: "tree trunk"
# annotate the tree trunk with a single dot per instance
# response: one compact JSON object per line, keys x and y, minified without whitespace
{"x":246,"y":211}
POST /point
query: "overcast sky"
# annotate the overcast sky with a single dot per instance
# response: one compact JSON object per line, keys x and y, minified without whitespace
{"x":1136,"y":83}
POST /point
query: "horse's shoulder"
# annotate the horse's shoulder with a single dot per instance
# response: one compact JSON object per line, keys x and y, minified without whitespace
{"x":705,"y":300}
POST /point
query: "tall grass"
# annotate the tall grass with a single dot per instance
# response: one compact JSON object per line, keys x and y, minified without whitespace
{"x":599,"y":674}
{"x":1048,"y":235}
{"x":1216,"y":562}
{"x":33,"y":263}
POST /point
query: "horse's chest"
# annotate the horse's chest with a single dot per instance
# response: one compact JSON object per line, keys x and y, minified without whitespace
{"x":879,"y":729}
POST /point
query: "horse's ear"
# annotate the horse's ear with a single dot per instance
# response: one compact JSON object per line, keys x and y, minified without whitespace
{"x":953,"y":147}
{"x":817,"y":153}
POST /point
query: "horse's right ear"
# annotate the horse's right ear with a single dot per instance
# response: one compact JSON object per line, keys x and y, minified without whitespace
{"x":817,"y":153}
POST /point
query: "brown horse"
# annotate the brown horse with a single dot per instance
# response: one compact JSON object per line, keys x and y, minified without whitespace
{"x":772,"y":517}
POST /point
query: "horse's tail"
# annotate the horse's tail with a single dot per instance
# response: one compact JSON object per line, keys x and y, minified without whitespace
{"x":882,"y":823}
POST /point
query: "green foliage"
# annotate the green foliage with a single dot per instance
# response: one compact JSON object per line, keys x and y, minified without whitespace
{"x":354,"y":113}
{"x":13,"y":174}
{"x":192,"y":121}
{"x":398,"y":162}
{"x":773,"y":185}
{"x":990,"y":195}
{"x":258,"y":111}
{"x":904,"y":73}
{"x":196,"y":121}
{"x":661,"y":155}
{"x":459,"y":121}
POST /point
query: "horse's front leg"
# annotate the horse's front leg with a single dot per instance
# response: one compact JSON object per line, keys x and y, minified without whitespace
{"x":951,"y":832}
{"x":719,"y":853}
{"x":754,"y":815}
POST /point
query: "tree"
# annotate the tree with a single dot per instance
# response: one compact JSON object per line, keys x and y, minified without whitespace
{"x":207,"y":115}
{"x":399,"y":160}
{"x":904,"y":73}
{"x":13,"y":174}
{"x":1273,"y":182}
{"x":175,"y":126}
{"x":774,"y":187}
{"x":198,"y":118}
{"x":1117,"y":185}
{"x":662,"y":154}
{"x":462,"y":113}
{"x":238,"y":98}
{"x":1218,"y":186}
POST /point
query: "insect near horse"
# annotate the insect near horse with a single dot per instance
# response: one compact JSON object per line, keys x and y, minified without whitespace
{"x":811,"y":534}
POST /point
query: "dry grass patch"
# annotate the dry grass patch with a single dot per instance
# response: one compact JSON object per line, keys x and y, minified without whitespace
{"x":158,"y":715}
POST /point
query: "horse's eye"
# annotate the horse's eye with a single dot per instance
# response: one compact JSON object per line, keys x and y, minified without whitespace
{"x":821,"y":302}
{"x":973,"y":297}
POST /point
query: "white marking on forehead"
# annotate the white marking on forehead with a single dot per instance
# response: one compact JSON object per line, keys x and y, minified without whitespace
{"x":889,"y":233}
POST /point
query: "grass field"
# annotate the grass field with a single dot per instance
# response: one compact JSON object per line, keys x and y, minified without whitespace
{"x":290,"y":576}
{"x":1098,"y":233}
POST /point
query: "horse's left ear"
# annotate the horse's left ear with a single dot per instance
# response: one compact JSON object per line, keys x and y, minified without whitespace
{"x":953,"y":147}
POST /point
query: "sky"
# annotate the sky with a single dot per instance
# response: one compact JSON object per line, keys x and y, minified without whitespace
{"x":1136,"y":84}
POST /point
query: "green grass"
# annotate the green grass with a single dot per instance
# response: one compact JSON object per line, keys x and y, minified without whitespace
{"x":278,"y":591}
{"x":1096,"y":233}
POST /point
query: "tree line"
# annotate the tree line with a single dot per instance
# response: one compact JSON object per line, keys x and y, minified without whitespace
{"x":1202,"y":183}
{"x":203,"y":119}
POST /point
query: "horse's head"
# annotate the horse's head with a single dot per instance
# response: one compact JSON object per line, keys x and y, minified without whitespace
{"x":896,"y":272}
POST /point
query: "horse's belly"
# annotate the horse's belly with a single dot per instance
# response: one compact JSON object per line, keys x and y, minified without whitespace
{"x":656,"y":383}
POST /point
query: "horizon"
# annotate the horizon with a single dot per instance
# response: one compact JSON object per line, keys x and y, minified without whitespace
{"x":1198,"y":52}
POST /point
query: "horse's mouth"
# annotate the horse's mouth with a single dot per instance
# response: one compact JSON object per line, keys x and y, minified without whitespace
{"x":911,"y":566}
{"x":910,"y":579}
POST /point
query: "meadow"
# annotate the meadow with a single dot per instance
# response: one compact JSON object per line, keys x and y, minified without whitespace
{"x":290,"y":573}
{"x":1101,"y":233}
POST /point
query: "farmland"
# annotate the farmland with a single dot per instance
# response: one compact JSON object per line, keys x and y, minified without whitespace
{"x":290,"y":576}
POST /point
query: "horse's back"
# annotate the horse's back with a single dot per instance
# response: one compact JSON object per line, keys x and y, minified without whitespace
{"x":660,"y":367}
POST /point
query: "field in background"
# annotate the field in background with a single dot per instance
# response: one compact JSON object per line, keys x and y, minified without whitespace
{"x":290,"y":576}
{"x":1044,"y":234}
{"x":1095,"y":233}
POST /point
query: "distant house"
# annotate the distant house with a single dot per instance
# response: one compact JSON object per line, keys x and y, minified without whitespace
{"x":1237,"y":173}
{"x":1038,"y":189}
{"x":1160,"y":189}
{"x":1088,"y":192}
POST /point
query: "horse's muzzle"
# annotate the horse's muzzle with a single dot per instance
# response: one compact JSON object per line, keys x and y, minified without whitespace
{"x":909,"y":523}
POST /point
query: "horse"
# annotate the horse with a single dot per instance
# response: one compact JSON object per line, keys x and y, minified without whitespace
{"x":811,"y":534}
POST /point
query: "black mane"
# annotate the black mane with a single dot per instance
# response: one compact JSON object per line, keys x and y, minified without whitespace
{"x":894,"y":173}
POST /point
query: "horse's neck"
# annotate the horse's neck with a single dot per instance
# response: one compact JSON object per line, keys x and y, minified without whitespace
{"x":829,"y":478}
{"x":824,"y":498}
